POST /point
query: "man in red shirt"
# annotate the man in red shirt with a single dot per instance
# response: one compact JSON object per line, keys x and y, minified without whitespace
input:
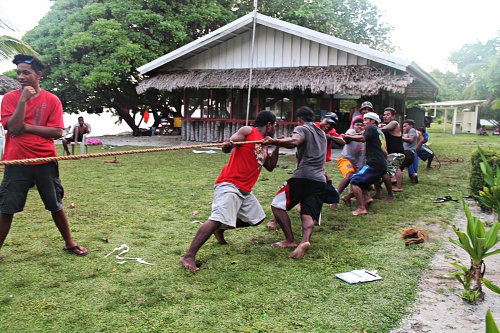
{"x":234,"y":205}
{"x":33,"y":118}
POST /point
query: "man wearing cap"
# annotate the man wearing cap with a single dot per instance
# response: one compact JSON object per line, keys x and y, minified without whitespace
{"x":327,"y":125}
{"x":234,"y":204}
{"x":376,"y":162}
{"x":307,"y":184}
{"x":365,"y":107}
{"x":33,"y":118}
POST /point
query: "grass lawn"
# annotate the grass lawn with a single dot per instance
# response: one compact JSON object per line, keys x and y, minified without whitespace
{"x":147,"y":202}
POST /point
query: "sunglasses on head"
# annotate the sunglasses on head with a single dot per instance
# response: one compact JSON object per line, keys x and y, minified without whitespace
{"x":26,"y":61}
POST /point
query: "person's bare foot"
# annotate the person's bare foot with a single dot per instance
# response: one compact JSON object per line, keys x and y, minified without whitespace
{"x":284,"y":244}
{"x":359,"y":212}
{"x":272,"y":225}
{"x":189,"y":263}
{"x":333,"y":206}
{"x":347,"y":200}
{"x":300,"y":251}
{"x":398,"y":189}
{"x":377,"y":196}
{"x":219,"y":235}
{"x":390,"y":199}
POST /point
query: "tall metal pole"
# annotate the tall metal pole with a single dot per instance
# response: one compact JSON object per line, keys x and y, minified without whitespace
{"x":251,"y":59}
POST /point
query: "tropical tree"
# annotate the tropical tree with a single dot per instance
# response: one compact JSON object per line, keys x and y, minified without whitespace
{"x":358,"y":21}
{"x":10,"y":46}
{"x":477,"y":76}
{"x":94,"y":46}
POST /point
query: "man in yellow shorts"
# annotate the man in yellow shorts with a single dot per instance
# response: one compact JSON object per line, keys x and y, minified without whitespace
{"x":352,"y":156}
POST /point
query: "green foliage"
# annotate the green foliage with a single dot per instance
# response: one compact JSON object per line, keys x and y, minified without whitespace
{"x":465,"y":279}
{"x":10,"y":46}
{"x":476,"y":242}
{"x":478,"y":76}
{"x":491,"y":326}
{"x":490,"y":195}
{"x":93,"y":47}
{"x":356,"y":21}
{"x":476,"y":180}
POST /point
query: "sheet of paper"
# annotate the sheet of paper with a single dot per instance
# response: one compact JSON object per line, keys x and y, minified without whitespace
{"x":358,"y":276}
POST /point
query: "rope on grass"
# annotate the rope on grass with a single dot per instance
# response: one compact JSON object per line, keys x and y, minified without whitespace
{"x":115,"y":153}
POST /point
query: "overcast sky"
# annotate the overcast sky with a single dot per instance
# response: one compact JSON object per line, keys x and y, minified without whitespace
{"x":426,"y":31}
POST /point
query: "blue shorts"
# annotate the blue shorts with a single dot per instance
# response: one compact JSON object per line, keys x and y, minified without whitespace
{"x":18,"y":179}
{"x":425,"y":153}
{"x":366,"y":176}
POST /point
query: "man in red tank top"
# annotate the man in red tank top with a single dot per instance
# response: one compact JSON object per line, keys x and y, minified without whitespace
{"x":234,"y":205}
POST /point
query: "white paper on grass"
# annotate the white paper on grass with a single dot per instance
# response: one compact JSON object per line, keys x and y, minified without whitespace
{"x":358,"y":276}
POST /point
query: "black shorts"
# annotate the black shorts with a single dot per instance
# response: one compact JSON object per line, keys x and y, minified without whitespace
{"x":409,"y":159}
{"x":309,"y":193}
{"x":18,"y":179}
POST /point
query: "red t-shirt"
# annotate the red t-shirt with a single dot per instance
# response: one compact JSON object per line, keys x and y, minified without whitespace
{"x":245,"y":163}
{"x":44,"y":110}
{"x":334,"y":133}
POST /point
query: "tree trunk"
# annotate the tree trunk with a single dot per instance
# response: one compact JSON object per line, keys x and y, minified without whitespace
{"x":128,"y":119}
{"x":476,"y":275}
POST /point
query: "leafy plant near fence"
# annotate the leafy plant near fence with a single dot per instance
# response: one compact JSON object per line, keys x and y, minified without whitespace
{"x":476,"y":242}
{"x":490,"y":195}
{"x":477,"y":180}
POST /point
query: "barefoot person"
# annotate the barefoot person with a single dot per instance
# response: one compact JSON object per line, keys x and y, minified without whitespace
{"x":234,"y":205}
{"x":351,"y":159}
{"x":33,"y":118}
{"x":376,"y":162}
{"x":307,"y":184}
{"x":395,"y":150}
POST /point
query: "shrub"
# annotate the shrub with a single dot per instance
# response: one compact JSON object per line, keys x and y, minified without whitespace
{"x":476,"y":176}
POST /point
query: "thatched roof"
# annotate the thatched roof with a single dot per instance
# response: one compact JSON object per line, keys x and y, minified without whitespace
{"x":345,"y":80}
{"x":8,"y":84}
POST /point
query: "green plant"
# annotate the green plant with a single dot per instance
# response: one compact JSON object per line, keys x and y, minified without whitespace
{"x":490,"y":195}
{"x":491,"y":327}
{"x":465,"y":279}
{"x":476,"y":242}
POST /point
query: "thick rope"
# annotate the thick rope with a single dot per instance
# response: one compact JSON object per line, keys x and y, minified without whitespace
{"x":126,"y":152}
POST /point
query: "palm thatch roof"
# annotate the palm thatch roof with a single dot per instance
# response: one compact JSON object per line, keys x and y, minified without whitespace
{"x":8,"y":84}
{"x":345,"y":80}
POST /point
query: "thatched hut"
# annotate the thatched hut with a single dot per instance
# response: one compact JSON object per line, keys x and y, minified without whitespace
{"x":292,"y":66}
{"x":8,"y":84}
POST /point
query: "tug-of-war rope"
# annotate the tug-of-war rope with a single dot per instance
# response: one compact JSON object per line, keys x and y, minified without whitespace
{"x":125,"y":152}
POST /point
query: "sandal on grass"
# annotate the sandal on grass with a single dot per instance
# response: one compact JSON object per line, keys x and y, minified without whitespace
{"x":76,"y":250}
{"x":445,"y":199}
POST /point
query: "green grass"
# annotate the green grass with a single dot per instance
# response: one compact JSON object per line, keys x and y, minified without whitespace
{"x":147,"y":201}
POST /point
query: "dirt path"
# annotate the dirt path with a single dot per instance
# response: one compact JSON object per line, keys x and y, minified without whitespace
{"x":438,"y":308}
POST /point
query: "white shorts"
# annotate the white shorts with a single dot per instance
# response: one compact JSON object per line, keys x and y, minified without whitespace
{"x":230,"y":203}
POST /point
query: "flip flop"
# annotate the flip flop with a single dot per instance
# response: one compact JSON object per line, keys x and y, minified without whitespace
{"x":445,"y":199}
{"x":74,"y":249}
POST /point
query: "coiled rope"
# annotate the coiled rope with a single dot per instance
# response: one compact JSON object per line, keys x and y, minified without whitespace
{"x":115,"y":153}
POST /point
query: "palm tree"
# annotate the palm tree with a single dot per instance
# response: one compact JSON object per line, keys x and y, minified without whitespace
{"x":10,"y":46}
